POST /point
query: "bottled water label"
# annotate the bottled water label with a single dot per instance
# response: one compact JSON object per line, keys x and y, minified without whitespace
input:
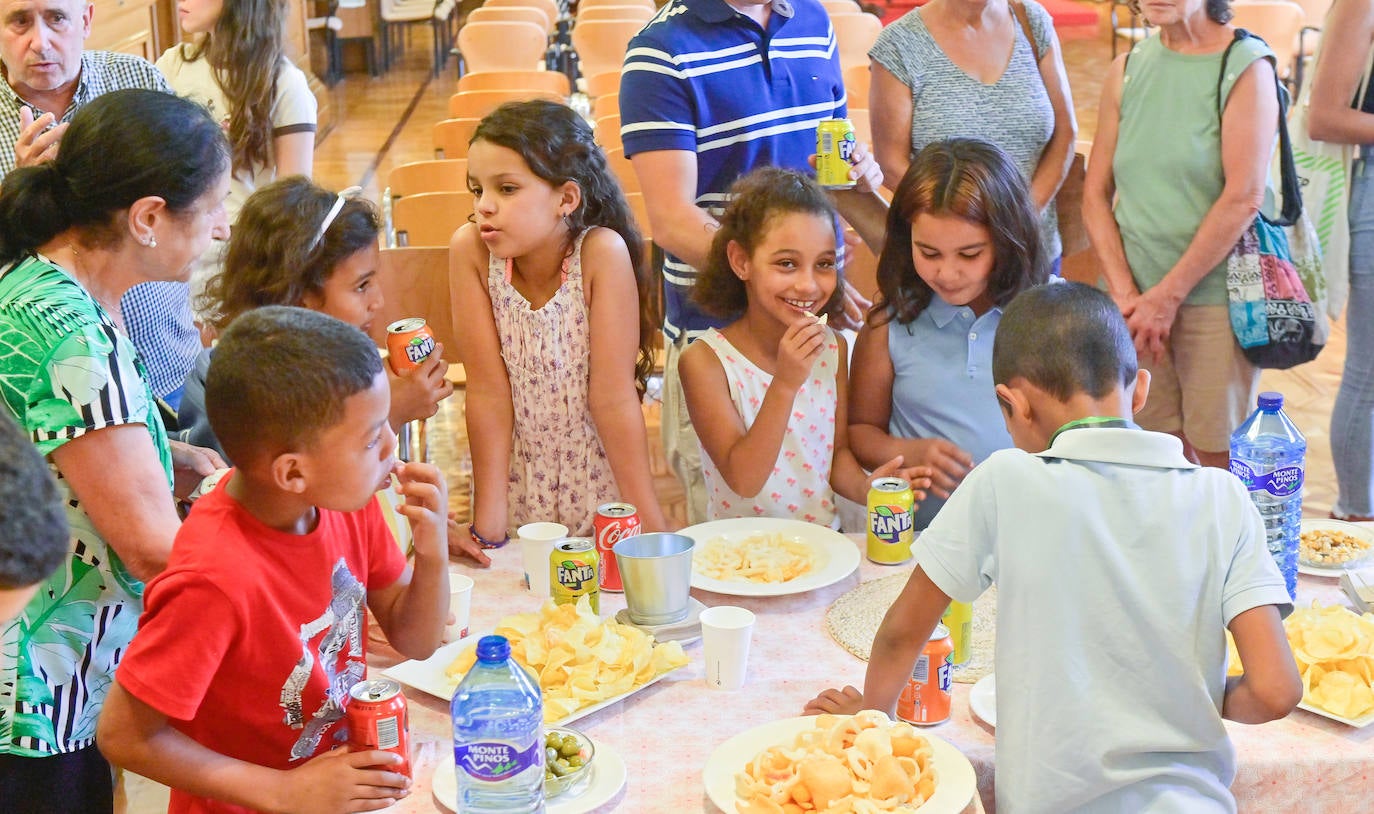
{"x":1285,"y":481}
{"x":495,"y":761}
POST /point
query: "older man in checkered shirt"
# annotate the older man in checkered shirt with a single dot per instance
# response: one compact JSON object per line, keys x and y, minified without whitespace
{"x":48,"y":76}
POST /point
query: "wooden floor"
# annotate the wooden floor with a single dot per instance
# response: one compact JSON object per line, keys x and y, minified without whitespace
{"x":386,"y":121}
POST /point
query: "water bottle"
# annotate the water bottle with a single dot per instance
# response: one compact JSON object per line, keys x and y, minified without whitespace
{"x":498,"y":720}
{"x":1267,"y":453}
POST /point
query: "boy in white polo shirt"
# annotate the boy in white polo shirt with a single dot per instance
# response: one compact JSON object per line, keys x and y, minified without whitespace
{"x":1119,"y":564}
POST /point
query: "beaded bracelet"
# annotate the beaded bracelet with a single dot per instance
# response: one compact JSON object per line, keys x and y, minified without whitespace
{"x":484,"y":542}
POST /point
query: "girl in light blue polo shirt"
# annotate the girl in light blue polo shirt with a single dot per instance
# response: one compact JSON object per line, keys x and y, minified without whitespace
{"x":962,"y":241}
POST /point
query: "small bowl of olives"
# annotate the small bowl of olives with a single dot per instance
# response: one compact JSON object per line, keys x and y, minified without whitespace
{"x":567,"y":760}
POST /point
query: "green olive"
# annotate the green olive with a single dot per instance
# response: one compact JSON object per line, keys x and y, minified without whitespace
{"x":561,"y":767}
{"x":569,"y":748}
{"x":575,"y":761}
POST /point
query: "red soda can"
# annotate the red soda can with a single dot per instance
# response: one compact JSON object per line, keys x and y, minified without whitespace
{"x":409,"y":342}
{"x":377,"y":719}
{"x":925,"y":699}
{"x":614,"y":522}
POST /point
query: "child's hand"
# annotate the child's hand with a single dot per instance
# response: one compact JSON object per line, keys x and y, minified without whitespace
{"x":416,"y":394}
{"x":426,"y":505}
{"x":835,"y":702}
{"x":801,"y":343}
{"x":461,"y":544}
{"x":918,"y":477}
{"x":342,"y":781}
{"x":947,"y":461}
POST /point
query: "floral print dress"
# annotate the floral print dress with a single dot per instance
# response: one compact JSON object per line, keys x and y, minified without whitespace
{"x":558,"y":466}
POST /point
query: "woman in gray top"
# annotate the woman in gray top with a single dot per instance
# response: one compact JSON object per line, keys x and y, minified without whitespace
{"x":964,"y":68}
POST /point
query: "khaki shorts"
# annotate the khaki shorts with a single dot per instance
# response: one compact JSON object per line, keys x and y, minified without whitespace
{"x":1204,"y":387}
{"x":681,"y":447}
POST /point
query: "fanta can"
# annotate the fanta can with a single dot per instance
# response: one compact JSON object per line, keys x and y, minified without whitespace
{"x":925,"y":699}
{"x":574,"y":572}
{"x":409,"y":342}
{"x":959,"y":619}
{"x":890,"y":521}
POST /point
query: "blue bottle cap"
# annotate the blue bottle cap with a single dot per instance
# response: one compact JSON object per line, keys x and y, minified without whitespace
{"x":493,"y":648}
{"x":1269,"y":400}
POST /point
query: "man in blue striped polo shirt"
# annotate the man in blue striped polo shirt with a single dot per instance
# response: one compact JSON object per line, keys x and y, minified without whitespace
{"x":712,"y":89}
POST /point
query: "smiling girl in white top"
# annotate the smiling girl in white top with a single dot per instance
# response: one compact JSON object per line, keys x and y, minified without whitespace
{"x":768,"y":392}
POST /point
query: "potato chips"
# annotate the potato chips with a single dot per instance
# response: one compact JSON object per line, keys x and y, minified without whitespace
{"x":1334,"y":648}
{"x":848,"y":763}
{"x":578,"y":659}
{"x":768,"y":557}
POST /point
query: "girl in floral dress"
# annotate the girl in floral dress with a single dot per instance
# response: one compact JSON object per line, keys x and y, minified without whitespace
{"x":556,"y":344}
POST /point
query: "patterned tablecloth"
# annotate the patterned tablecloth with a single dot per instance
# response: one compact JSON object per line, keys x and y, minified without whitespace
{"x":666,"y":732}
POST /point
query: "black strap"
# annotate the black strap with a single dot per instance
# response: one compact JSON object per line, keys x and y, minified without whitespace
{"x":1291,"y":196}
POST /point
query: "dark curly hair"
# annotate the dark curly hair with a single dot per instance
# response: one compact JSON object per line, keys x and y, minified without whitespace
{"x":559,"y":147}
{"x":33,"y":527}
{"x":755,"y":200}
{"x":276,"y":254}
{"x":975,"y":181}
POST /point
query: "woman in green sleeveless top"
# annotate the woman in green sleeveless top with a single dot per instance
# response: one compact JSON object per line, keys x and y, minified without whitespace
{"x":1171,"y":186}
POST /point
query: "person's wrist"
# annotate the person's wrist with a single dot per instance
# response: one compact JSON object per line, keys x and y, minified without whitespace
{"x":487,"y":542}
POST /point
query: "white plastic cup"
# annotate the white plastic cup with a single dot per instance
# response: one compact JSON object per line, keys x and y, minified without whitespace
{"x":536,"y":545}
{"x":459,"y":605}
{"x":725,"y":634}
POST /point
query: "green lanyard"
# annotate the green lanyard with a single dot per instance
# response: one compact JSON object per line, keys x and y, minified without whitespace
{"x":1094,"y":422}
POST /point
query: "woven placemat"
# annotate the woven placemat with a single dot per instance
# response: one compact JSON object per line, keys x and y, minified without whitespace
{"x":853,"y":620}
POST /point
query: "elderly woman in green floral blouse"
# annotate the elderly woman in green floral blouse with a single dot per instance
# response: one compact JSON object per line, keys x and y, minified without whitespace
{"x":135,"y":195}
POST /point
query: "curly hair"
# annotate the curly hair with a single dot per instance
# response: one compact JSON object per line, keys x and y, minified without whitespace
{"x":276,"y":254}
{"x":558,"y":146}
{"x":245,"y":51}
{"x":33,"y":526}
{"x":756,"y":199}
{"x":975,"y":181}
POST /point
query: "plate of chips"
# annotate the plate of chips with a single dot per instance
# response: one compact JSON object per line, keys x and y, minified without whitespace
{"x":1328,"y":548}
{"x":1334,"y":648}
{"x":583,"y":663}
{"x":766,"y":556}
{"x":863,"y":762}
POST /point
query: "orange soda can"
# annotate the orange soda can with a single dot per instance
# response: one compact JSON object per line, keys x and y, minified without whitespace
{"x":378,"y":719}
{"x":409,"y":342}
{"x":926,"y":698}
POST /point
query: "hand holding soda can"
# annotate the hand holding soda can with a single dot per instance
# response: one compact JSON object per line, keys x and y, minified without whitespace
{"x":835,"y":142}
{"x":378,"y":719}
{"x":409,"y":343}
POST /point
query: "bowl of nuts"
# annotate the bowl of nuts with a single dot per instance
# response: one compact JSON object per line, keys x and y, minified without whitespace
{"x":568,"y":756}
{"x":1334,"y":545}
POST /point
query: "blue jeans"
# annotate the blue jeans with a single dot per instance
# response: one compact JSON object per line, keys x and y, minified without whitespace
{"x":1352,"y":418}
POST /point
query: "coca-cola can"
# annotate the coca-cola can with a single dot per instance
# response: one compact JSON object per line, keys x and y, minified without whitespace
{"x":378,"y":719}
{"x":614,"y":522}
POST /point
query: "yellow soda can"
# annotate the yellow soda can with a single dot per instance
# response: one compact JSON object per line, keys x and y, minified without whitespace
{"x":890,"y":528}
{"x":959,"y":619}
{"x":834,"y":153}
{"x":573,"y":572}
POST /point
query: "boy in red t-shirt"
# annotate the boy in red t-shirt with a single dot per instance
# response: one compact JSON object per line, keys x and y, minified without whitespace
{"x":233,"y":689}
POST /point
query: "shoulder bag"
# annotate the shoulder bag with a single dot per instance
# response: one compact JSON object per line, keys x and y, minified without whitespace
{"x":1274,"y":266}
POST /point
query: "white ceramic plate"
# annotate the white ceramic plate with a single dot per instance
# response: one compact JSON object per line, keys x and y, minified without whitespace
{"x":1358,"y":723}
{"x":982,"y":699}
{"x":1335,"y":571}
{"x":429,"y":676}
{"x":837,"y":556}
{"x":608,"y":777}
{"x":955,"y":785}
